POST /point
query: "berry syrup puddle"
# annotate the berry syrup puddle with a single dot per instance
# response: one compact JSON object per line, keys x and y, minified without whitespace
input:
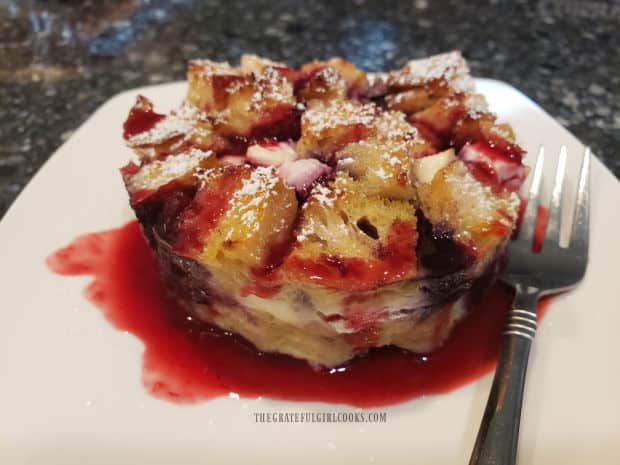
{"x":186,"y":361}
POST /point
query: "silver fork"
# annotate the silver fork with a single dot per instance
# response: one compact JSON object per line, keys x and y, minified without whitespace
{"x":532,"y":275}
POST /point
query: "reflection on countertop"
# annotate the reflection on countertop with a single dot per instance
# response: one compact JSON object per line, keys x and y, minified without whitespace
{"x":59,"y":60}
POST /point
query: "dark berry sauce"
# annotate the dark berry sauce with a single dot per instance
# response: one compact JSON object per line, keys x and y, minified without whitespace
{"x":186,"y":361}
{"x":140,"y":120}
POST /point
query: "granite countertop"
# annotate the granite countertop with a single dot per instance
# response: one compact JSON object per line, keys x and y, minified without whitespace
{"x":60,"y":60}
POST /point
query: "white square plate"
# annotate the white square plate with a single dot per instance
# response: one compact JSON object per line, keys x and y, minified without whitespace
{"x":70,"y":389}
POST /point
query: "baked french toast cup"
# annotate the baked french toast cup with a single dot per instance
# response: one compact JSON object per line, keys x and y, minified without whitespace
{"x":320,"y":212}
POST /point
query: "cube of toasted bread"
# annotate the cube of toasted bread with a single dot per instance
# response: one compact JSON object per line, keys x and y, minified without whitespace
{"x":476,"y":126}
{"x":443,"y":114}
{"x":354,"y":77}
{"x":153,"y":135}
{"x":243,"y":213}
{"x":253,"y":64}
{"x":327,"y":127}
{"x":340,"y":219}
{"x":178,"y":167}
{"x":382,"y":161}
{"x":321,"y":82}
{"x":201,"y":133}
{"x":264,"y":104}
{"x":420,"y":83}
{"x":458,"y":203}
{"x":446,"y":69}
{"x":246,"y":105}
{"x":382,"y":168}
{"x":175,"y":132}
{"x":335,"y":79}
{"x":413,"y":100}
{"x":160,"y":189}
{"x":211,"y":84}
{"x":349,"y":240}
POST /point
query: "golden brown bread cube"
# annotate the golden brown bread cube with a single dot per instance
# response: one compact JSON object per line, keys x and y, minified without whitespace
{"x":413,"y":100}
{"x":483,"y":127}
{"x":243,"y":213}
{"x":329,"y":80}
{"x":442,"y":115}
{"x":340,"y":219}
{"x":211,"y":83}
{"x":382,"y":161}
{"x":266,"y":101}
{"x":179,"y":167}
{"x":252,"y":64}
{"x":447,"y":70}
{"x":392,"y":129}
{"x":204,"y":136}
{"x":152,"y":134}
{"x":383,"y":169}
{"x":327,"y":127}
{"x":350,"y":241}
{"x":176,"y":132}
{"x":420,"y":83}
{"x":476,"y":216}
{"x":322,"y":83}
{"x":241,"y":104}
{"x":355,"y":78}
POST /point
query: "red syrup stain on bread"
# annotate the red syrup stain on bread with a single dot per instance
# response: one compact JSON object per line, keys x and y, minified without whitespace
{"x":186,"y":361}
{"x":141,"y":118}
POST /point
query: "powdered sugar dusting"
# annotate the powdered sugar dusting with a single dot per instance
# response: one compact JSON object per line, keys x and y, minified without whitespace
{"x":376,"y":78}
{"x":252,"y":195}
{"x":500,"y":131}
{"x":380,"y":172}
{"x":180,"y":164}
{"x":271,"y":87}
{"x":188,"y":111}
{"x":168,"y":128}
{"x":255,"y":65}
{"x":261,"y":179}
{"x":393,"y":161}
{"x":207,"y":68}
{"x":476,"y":105}
{"x":205,"y":176}
{"x":449,"y":67}
{"x":324,"y":195}
{"x":338,"y":113}
{"x":332,"y":80}
{"x":393,"y":127}
{"x":370,"y":145}
{"x":160,"y":172}
{"x":478,"y":203}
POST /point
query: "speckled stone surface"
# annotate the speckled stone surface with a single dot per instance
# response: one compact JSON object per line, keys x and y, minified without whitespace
{"x":59,"y":61}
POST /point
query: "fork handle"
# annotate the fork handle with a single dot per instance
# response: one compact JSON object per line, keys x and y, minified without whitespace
{"x":499,"y":430}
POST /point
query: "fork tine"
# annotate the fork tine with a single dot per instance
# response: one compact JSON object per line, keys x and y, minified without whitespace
{"x":554,"y":224}
{"x":579,"y":236}
{"x":528,"y":223}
